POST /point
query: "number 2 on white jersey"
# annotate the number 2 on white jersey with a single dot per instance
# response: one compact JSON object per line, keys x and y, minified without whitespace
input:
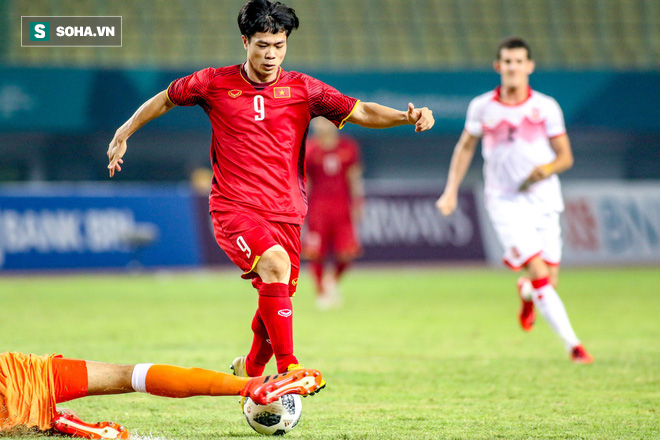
{"x":259,"y":108}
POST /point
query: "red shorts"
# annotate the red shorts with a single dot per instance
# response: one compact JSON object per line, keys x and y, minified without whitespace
{"x":331,"y":232}
{"x":245,"y":236}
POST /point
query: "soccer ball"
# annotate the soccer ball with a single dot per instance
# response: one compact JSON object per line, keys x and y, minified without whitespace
{"x":276,"y":418}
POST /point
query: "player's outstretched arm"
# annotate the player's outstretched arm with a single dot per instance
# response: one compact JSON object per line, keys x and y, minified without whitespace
{"x":151,"y":109}
{"x":563,"y":161}
{"x":372,"y":115}
{"x":356,"y":187}
{"x":460,"y":162}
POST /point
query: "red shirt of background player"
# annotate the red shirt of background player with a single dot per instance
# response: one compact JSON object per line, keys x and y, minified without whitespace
{"x":327,"y":171}
{"x":334,"y":173}
{"x":259,"y":133}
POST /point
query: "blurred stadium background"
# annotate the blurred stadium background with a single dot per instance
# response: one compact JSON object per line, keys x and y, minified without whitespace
{"x":59,"y":108}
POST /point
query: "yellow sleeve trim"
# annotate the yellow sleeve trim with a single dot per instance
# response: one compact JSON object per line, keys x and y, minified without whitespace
{"x":254,"y":264}
{"x":167,"y":94}
{"x":343,"y":121}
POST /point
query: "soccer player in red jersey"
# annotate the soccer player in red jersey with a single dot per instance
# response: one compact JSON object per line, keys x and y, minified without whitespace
{"x":260,"y":115}
{"x":336,"y":198}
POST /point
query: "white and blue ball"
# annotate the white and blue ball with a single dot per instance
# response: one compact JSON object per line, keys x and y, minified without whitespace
{"x":276,"y":418}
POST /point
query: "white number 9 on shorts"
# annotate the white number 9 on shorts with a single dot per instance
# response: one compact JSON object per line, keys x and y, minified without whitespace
{"x":243,"y":246}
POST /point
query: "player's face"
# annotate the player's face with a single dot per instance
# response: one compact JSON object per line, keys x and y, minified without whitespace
{"x":265,"y":53}
{"x":514,"y":67}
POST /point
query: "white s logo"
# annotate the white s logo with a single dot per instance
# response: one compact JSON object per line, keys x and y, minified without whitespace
{"x":39,"y":31}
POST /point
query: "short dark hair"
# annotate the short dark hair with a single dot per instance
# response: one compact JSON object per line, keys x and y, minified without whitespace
{"x":513,"y":43}
{"x":266,"y":16}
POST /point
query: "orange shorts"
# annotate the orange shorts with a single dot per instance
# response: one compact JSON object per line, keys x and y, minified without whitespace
{"x":30,"y":387}
{"x":27,"y":396}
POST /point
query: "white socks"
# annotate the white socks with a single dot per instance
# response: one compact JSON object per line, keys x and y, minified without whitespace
{"x":552,"y":309}
{"x":139,"y":378}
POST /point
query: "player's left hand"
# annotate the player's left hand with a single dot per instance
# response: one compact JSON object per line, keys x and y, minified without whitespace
{"x":421,"y":117}
{"x":539,"y":173}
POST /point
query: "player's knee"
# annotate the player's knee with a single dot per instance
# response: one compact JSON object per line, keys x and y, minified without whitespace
{"x":537,"y":268}
{"x":274,"y":265}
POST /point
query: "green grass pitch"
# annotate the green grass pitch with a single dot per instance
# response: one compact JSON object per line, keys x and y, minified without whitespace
{"x":413,"y":354}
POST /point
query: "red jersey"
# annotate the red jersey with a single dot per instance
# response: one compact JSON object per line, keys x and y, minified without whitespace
{"x":259,"y":132}
{"x":327,"y":170}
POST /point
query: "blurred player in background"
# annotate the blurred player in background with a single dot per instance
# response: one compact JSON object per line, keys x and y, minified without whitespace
{"x":200,"y":180}
{"x":31,"y":386}
{"x":336,"y":198}
{"x":260,"y":115}
{"x":524,"y":146}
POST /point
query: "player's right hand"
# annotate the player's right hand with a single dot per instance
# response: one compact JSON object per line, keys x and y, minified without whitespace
{"x":116,"y":151}
{"x":447,"y":203}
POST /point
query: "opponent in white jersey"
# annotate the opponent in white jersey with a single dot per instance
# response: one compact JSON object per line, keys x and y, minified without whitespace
{"x":515,"y":140}
{"x":524,"y":146}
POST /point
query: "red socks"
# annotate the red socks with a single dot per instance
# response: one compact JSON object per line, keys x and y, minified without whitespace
{"x":277,"y":315}
{"x":340,"y":268}
{"x":317,"y":271}
{"x":261,"y":350}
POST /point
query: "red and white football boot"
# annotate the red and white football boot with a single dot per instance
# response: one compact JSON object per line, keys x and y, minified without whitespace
{"x":69,"y":424}
{"x":526,"y":314}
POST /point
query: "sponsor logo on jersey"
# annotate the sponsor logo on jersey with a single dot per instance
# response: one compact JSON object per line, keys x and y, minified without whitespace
{"x":285,"y":313}
{"x":282,"y":92}
{"x":295,"y":281}
{"x":235,"y":93}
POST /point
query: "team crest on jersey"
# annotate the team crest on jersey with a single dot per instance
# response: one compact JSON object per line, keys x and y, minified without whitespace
{"x":282,"y":92}
{"x":536,"y":113}
{"x":235,"y":93}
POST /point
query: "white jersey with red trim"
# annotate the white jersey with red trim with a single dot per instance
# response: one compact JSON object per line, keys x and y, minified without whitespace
{"x":515,"y":139}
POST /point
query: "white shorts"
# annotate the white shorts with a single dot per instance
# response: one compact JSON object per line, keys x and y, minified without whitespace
{"x":524,"y":233}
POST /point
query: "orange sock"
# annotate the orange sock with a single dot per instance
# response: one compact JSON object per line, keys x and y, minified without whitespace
{"x":171,"y":381}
